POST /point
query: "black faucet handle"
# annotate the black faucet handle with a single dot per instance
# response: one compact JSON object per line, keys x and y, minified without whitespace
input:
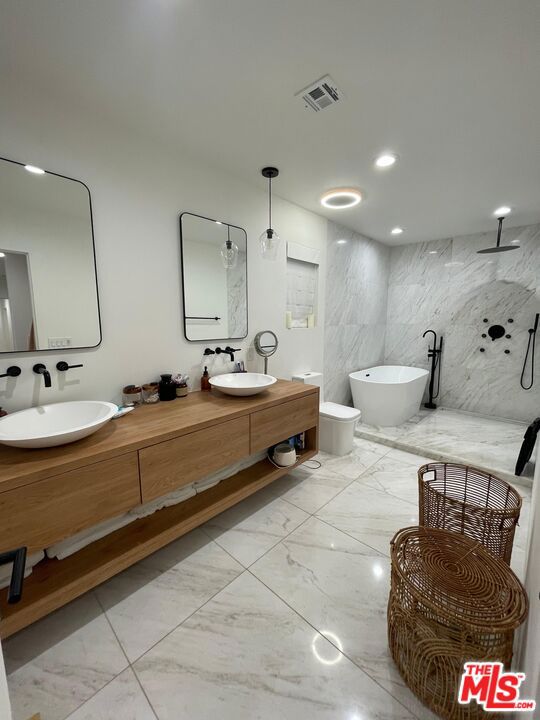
{"x":18,"y":558}
{"x":12,"y":371}
{"x":231,"y":349}
{"x":208,"y":351}
{"x":63,"y":366}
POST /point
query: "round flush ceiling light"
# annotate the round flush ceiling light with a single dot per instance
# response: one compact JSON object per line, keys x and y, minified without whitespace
{"x":34,"y":169}
{"x":502,"y":211}
{"x":385,"y":160}
{"x":396,"y":231}
{"x":341,"y":198}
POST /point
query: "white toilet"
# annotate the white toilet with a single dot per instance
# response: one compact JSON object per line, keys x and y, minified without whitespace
{"x":336,"y":422}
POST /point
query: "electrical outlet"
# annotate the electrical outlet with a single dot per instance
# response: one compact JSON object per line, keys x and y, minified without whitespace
{"x":59,"y":343}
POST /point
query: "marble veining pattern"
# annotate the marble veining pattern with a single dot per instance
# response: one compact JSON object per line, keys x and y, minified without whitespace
{"x":445,"y":285}
{"x":488,"y":443}
{"x":299,"y":633}
{"x":355,"y":309}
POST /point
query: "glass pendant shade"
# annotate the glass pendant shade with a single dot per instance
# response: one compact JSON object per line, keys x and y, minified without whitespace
{"x":269,"y":241}
{"x":229,"y":254}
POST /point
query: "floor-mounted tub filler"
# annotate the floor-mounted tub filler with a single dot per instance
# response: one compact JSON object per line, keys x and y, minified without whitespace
{"x":388,"y":394}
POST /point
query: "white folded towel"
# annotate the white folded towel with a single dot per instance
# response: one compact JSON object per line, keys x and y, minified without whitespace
{"x":174,"y":498}
{"x":77,"y":542}
{"x":31,"y":560}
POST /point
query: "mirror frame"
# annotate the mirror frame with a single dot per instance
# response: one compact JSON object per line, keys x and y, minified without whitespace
{"x":203,"y":217}
{"x":98,"y":307}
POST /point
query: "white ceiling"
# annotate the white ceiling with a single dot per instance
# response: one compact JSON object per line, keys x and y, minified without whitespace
{"x":451,"y":86}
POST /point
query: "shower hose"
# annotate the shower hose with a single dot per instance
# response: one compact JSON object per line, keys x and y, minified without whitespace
{"x":530,"y":349}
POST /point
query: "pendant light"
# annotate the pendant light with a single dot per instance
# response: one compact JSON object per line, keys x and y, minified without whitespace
{"x":269,"y":239}
{"x":229,"y":252}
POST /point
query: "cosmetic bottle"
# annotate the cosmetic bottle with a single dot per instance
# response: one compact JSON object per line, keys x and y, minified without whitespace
{"x":205,"y":380}
{"x":167,"y":388}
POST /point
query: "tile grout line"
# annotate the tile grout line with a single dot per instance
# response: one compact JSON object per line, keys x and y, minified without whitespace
{"x":298,"y":614}
{"x":130,"y":666}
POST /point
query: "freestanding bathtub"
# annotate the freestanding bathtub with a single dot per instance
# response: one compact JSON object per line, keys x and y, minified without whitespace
{"x":388,"y":394}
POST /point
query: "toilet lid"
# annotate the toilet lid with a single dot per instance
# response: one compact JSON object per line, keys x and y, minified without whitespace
{"x":338,"y":412}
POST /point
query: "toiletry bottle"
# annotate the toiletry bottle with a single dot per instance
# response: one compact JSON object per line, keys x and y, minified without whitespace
{"x":205,"y":380}
{"x":3,"y":413}
{"x":167,"y":388}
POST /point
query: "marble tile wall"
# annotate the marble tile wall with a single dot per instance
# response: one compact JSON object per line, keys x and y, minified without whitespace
{"x":445,"y":285}
{"x":355,"y":311}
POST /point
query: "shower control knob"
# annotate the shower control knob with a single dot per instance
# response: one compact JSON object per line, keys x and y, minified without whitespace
{"x":507,"y":352}
{"x":508,"y":337}
{"x":482,"y":349}
{"x":486,"y":320}
{"x":510,"y":320}
{"x":484,"y":335}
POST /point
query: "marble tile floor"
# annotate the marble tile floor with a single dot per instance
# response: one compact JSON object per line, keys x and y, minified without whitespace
{"x":491,"y":444}
{"x":274,"y":609}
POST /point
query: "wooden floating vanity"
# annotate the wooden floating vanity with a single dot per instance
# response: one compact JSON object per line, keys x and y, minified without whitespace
{"x":49,"y":495}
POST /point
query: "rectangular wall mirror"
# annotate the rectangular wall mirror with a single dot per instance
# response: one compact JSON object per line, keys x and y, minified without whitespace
{"x":48,"y":285}
{"x":214,"y":279}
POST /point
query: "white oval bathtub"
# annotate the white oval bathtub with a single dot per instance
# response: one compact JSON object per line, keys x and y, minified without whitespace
{"x":388,"y":394}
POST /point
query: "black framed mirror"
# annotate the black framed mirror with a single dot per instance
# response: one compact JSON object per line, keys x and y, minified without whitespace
{"x":48,"y":280}
{"x":214,"y":279}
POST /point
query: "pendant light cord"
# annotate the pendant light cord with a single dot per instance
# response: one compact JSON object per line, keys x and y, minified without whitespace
{"x":269,"y":203}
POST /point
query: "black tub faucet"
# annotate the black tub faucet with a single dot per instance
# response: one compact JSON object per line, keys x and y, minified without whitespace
{"x":434,"y":354}
{"x":40,"y":369}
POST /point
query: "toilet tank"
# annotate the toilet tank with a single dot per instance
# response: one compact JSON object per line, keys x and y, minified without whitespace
{"x":311,"y":378}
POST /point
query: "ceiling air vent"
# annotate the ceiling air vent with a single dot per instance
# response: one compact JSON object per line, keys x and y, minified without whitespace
{"x":320,"y":94}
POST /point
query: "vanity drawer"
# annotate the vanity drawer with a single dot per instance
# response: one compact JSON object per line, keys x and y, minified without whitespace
{"x":45,"y":512}
{"x":169,"y":465}
{"x":280,"y":422}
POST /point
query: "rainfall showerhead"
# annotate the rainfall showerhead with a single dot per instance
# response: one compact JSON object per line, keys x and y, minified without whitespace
{"x":498,"y":248}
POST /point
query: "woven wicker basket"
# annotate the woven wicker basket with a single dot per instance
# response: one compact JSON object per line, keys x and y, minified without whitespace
{"x":450,"y":602}
{"x":470,"y":502}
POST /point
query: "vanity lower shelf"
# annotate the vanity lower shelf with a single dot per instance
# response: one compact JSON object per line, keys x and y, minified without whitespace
{"x":54,"y":583}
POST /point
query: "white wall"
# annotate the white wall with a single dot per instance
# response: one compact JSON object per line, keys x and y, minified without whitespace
{"x":138,"y":190}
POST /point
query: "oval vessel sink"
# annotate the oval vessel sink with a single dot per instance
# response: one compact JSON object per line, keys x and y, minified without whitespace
{"x":58,"y":424}
{"x":242,"y":383}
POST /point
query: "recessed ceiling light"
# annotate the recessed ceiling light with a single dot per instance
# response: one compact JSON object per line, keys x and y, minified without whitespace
{"x":396,"y":231}
{"x":2,"y":254}
{"x":218,"y":222}
{"x":385,"y":160}
{"x":433,"y":252}
{"x":341,"y":198}
{"x":341,"y":242}
{"x":34,"y":169}
{"x":502,"y":211}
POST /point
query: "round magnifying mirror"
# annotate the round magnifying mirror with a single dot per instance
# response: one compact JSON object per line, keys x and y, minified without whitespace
{"x":266,"y":344}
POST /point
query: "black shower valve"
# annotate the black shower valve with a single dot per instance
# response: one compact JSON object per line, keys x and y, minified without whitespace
{"x":484,"y":335}
{"x":482,"y":349}
{"x":508,"y":337}
{"x":486,"y":320}
{"x":507,"y":352}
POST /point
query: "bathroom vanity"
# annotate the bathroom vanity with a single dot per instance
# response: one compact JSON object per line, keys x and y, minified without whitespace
{"x":49,"y":495}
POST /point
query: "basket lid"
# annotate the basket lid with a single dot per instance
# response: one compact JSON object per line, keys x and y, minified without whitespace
{"x":458,"y":578}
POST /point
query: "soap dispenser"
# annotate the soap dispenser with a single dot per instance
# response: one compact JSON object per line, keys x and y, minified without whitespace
{"x":205,"y":380}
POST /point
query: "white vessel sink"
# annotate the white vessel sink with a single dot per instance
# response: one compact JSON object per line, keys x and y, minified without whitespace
{"x":58,"y":424}
{"x":242,"y":383}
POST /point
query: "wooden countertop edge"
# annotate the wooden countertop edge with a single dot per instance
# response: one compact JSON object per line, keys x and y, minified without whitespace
{"x":71,"y":457}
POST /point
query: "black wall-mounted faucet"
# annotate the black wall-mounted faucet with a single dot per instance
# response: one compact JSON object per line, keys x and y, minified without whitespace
{"x":62,"y":366}
{"x":208,"y":351}
{"x":40,"y":369}
{"x":228,"y":351}
{"x":12,"y":371}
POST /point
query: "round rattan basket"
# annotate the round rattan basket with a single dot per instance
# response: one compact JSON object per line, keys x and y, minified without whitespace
{"x":450,"y":602}
{"x":470,"y":502}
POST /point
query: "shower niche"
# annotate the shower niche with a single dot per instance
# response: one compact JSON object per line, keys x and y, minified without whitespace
{"x":302,"y":286}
